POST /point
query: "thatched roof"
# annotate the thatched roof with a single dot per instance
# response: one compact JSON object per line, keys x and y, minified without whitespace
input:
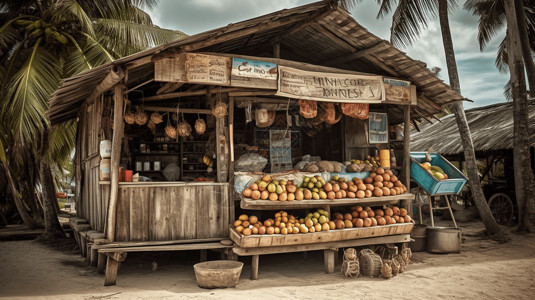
{"x":491,"y":128}
{"x":319,"y":33}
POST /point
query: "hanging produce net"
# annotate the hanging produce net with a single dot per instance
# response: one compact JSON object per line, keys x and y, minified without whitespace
{"x":355,"y":110}
{"x":200,"y":126}
{"x":308,"y":109}
{"x":220,"y":110}
{"x":156,"y":118}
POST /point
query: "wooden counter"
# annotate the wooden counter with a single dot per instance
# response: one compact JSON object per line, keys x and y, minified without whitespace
{"x":166,"y":211}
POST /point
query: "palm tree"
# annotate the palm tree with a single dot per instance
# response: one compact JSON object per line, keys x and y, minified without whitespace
{"x":42,"y":42}
{"x":519,"y":17}
{"x":408,"y":20}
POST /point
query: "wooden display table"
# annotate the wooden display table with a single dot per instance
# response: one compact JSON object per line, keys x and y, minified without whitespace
{"x":329,"y":241}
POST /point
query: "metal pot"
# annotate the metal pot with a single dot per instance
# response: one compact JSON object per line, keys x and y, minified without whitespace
{"x":443,"y":240}
{"x":418,"y":234}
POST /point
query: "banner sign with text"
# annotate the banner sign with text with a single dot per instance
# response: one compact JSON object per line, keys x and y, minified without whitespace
{"x":322,"y":86}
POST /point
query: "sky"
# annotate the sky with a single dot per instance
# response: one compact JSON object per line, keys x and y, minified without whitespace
{"x":480,"y":80}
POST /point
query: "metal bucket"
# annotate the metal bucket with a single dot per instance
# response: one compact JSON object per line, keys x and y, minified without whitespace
{"x":218,"y":273}
{"x":418,"y":234}
{"x":443,"y":240}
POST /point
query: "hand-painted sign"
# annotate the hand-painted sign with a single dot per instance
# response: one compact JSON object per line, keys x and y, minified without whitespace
{"x":253,"y":73}
{"x":330,"y":86}
{"x":193,"y":68}
{"x":397,"y":90}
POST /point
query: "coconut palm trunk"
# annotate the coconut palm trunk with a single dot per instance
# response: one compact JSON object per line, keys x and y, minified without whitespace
{"x":524,"y":41}
{"x":466,"y":138}
{"x":524,"y":181}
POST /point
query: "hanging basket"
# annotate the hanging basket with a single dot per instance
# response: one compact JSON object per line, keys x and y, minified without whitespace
{"x":141,"y":117}
{"x":332,"y":115}
{"x":355,"y":110}
{"x":183,"y":129}
{"x":156,"y":118}
{"x":200,"y":126}
{"x":308,"y":109}
{"x":130,"y":118}
{"x":151,"y":124}
{"x":170,"y":131}
{"x":220,"y":110}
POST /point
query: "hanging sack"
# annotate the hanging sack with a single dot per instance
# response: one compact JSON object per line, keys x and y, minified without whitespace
{"x":308,"y":109}
{"x":355,"y":110}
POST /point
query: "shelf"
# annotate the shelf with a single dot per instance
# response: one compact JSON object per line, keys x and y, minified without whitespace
{"x":195,"y":141}
{"x":157,"y":153}
{"x":188,"y":163}
{"x":200,"y":153}
{"x":153,"y":171}
{"x":194,"y":171}
{"x":247,"y":203}
{"x":153,"y":143}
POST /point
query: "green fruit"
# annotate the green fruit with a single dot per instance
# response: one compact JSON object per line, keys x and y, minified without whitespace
{"x":315,"y":221}
{"x":315,"y":196}
{"x":262,"y":184}
{"x":279,"y":189}
{"x":315,"y":190}
{"x":275,"y":182}
{"x":322,"y":194}
{"x":271,"y":188}
{"x":438,"y":175}
{"x":313,"y":179}
{"x":316,"y":215}
{"x":283,"y":182}
{"x":437,"y":169}
{"x":310,"y":215}
{"x":318,"y":184}
{"x":342,"y":179}
{"x":301,"y":221}
{"x":321,"y":211}
{"x":310,"y":185}
{"x":323,"y":219}
{"x":306,"y":179}
{"x":335,"y":177}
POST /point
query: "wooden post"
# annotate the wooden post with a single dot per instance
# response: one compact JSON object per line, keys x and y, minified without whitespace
{"x":231,"y":160}
{"x":118,"y":132}
{"x":101,"y":263}
{"x":407,"y":151}
{"x":254,"y":267}
{"x":328,"y":259}
{"x":112,"y":266}
{"x":277,"y":50}
{"x":204,"y":255}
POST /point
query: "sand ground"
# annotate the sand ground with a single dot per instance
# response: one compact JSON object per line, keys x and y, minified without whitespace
{"x":484,"y":269}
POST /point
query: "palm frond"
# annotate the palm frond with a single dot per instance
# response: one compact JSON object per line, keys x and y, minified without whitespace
{"x":140,"y":36}
{"x":491,"y":15}
{"x":502,"y":59}
{"x":385,"y":7}
{"x":96,"y":53}
{"x":67,"y":9}
{"x":8,"y":33}
{"x":62,"y":140}
{"x":77,"y":61}
{"x":508,"y":91}
{"x":29,"y":89}
{"x":409,"y":18}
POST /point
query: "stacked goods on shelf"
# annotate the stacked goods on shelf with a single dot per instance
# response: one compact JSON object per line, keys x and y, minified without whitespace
{"x":379,"y":183}
{"x":367,"y":217}
{"x":283,"y":223}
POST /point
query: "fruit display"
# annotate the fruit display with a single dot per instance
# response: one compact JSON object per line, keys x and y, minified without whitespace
{"x":367,"y":217}
{"x":379,"y":183}
{"x":323,"y":166}
{"x":284,"y":223}
{"x":435,"y":171}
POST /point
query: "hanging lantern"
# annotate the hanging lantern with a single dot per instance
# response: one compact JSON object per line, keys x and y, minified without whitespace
{"x":200,"y":126}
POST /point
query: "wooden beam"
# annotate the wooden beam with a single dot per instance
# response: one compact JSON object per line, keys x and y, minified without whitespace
{"x":333,"y":37}
{"x":252,"y":93}
{"x":313,"y":19}
{"x":277,"y":50}
{"x":169,"y":87}
{"x":181,"y":110}
{"x":407,"y":147}
{"x":139,"y":62}
{"x":188,"y":93}
{"x":118,"y":132}
{"x":139,"y":85}
{"x":381,"y":65}
{"x":355,"y":55}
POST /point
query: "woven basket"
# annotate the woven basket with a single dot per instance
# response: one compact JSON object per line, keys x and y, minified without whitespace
{"x":395,"y":267}
{"x":370,"y":263}
{"x":183,"y":129}
{"x":402,"y":265}
{"x":350,"y":266}
{"x":220,"y":110}
{"x":156,"y":118}
{"x":141,"y":117}
{"x":130,"y":118}
{"x":151,"y":124}
{"x":170,"y":131}
{"x":386,"y":269}
{"x":200,"y":126}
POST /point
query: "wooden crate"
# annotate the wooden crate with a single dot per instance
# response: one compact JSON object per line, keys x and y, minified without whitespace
{"x":317,"y":237}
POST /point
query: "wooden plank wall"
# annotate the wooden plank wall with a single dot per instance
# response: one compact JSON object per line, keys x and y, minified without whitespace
{"x":160,"y":213}
{"x":92,"y":204}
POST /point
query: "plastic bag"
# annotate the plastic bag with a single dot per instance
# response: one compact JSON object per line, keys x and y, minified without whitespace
{"x":171,"y":172}
{"x":251,"y":162}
